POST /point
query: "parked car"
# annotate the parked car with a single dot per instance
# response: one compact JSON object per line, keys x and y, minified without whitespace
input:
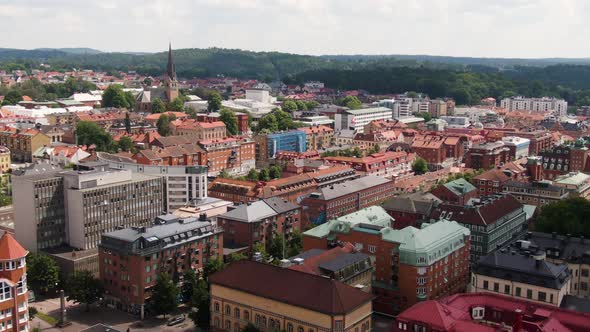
{"x":176,"y":320}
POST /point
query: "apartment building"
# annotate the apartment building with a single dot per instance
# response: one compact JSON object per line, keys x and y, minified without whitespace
{"x":14,"y":302}
{"x":357,"y":119}
{"x":101,"y":200}
{"x":544,"y":104}
{"x":576,"y":183}
{"x":130,"y":259}
{"x":340,"y":199}
{"x":5,"y":160}
{"x":519,"y":147}
{"x":487,"y":155}
{"x":541,"y":140}
{"x":23,"y":143}
{"x":492,"y":220}
{"x":236,"y":156}
{"x":198,"y":130}
{"x":268,"y":145}
{"x":343,"y":263}
{"x":318,"y":137}
{"x":392,"y":165}
{"x":563,"y":159}
{"x":411,"y":264}
{"x":489,"y":312}
{"x":455,"y":192}
{"x":537,"y":193}
{"x":491,"y":182}
{"x":182,"y":183}
{"x":437,"y":108}
{"x":521,"y":276}
{"x":257,"y":222}
{"x":411,"y":209}
{"x":275,"y":298}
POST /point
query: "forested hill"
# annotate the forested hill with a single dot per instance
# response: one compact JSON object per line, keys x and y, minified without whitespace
{"x":466,"y":79}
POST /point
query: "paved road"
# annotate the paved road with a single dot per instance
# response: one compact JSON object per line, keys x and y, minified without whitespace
{"x":82,"y":319}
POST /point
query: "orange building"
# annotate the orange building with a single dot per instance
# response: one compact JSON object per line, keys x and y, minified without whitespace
{"x":13,"y":286}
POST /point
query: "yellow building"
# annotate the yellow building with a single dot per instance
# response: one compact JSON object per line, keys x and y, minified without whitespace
{"x":4,"y":159}
{"x":22,"y":143}
{"x":274,"y":298}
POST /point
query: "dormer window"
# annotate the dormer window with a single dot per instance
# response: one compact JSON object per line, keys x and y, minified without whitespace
{"x":477,"y":313}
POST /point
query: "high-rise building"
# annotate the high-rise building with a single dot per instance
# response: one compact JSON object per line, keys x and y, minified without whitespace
{"x":544,"y":104}
{"x":357,"y":119}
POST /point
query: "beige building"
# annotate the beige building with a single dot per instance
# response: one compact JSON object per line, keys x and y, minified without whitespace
{"x":318,"y":137}
{"x":522,"y":276}
{"x":4,"y":159}
{"x":274,"y":298}
{"x":23,"y":143}
{"x":437,"y":108}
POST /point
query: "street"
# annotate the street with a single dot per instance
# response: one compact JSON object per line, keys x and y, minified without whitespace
{"x":81,"y":319}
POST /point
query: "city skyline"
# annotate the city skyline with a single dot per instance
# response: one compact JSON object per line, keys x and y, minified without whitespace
{"x":446,"y":28}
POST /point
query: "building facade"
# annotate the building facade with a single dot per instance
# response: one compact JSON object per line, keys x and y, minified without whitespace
{"x":23,"y":143}
{"x":247,"y":292}
{"x":544,"y":104}
{"x":130,"y":259}
{"x":487,"y":155}
{"x":14,"y":304}
{"x":357,"y":119}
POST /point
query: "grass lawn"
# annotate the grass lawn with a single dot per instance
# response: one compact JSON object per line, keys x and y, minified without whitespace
{"x":48,"y":319}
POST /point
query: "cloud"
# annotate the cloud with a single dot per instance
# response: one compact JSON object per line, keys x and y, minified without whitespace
{"x":498,"y":28}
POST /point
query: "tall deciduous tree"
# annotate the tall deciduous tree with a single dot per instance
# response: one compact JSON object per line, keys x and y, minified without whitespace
{"x":42,"y":273}
{"x":214,"y":102}
{"x":88,"y":133}
{"x":231,"y":121}
{"x":125,"y":144}
{"x":164,"y":295}
{"x":114,"y":96}
{"x":158,"y":106}
{"x":163,"y":125}
{"x":419,"y":166}
{"x":83,"y":287}
{"x":189,"y":283}
{"x":568,"y":216}
{"x":289,"y":106}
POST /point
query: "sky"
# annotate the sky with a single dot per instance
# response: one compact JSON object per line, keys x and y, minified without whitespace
{"x":476,"y":28}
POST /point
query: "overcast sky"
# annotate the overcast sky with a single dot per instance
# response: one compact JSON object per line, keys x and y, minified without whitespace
{"x":481,"y":28}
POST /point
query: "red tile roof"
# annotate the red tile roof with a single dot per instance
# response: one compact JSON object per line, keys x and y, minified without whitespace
{"x":296,"y":288}
{"x":10,"y":248}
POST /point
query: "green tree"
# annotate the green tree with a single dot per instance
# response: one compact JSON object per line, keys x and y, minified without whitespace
{"x":83,"y":287}
{"x":158,"y":106}
{"x":177,"y":105}
{"x":357,"y":152}
{"x":163,"y":125}
{"x":284,"y":120}
{"x":268,"y":123}
{"x":88,"y":133}
{"x":212,"y":266}
{"x":235,"y":256}
{"x":164,"y":295}
{"x":252,"y":175}
{"x":351,"y":102}
{"x":231,"y":121}
{"x":275,"y":172}
{"x":224,"y":174}
{"x":419,"y":166}
{"x":12,"y":97}
{"x":125,"y":144}
{"x":425,"y":115}
{"x":148,"y":81}
{"x":42,"y":273}
{"x":375,"y":149}
{"x":301,"y":105}
{"x":189,"y":284}
{"x":295,"y":244}
{"x":214,"y":102}
{"x":568,"y":216}
{"x":276,"y":247}
{"x":114,"y":96}
{"x":201,"y":302}
{"x":264,"y":175}
{"x":289,"y":106}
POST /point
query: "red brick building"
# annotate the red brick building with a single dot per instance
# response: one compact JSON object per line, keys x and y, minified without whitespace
{"x":14,"y":315}
{"x":487,"y":312}
{"x":455,"y":192}
{"x":411,"y":264}
{"x":487,"y":155}
{"x":490,"y":182}
{"x":388,"y":164}
{"x":257,"y":222}
{"x":130,"y":259}
{"x":436,"y":149}
{"x":337,"y":200}
{"x":541,"y":140}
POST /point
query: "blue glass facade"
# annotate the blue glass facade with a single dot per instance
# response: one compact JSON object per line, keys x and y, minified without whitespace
{"x":287,"y":141}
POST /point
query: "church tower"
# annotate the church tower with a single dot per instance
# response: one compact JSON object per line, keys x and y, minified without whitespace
{"x":170,"y":81}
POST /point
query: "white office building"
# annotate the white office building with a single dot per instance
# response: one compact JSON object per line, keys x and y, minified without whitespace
{"x":357,"y":119}
{"x":544,"y":104}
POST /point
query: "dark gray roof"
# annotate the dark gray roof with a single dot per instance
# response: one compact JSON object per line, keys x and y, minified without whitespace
{"x":280,"y":205}
{"x":523,"y":268}
{"x":421,"y":203}
{"x":345,"y":188}
{"x":342,"y":261}
{"x":250,"y":212}
{"x":575,"y":303}
{"x":309,"y":254}
{"x":539,"y":185}
{"x":567,"y":248}
{"x":42,"y":169}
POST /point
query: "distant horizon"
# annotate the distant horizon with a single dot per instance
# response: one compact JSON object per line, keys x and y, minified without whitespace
{"x":303,"y":54}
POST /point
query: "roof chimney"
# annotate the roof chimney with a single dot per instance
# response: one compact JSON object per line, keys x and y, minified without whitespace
{"x":518,"y":321}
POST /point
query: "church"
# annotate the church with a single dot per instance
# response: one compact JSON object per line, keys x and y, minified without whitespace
{"x":167,"y":92}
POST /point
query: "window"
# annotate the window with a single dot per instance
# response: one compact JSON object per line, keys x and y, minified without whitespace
{"x":5,"y":291}
{"x":496,"y":287}
{"x":237,"y":313}
{"x":148,"y":279}
{"x":477,"y":313}
{"x":338,"y":324}
{"x":529,"y":293}
{"x":518,"y":290}
{"x":584,"y":272}
{"x":246,"y":315}
{"x":289,"y":327}
{"x":216,"y":309}
{"x":402,"y":326}
{"x":486,"y":284}
{"x":21,"y":285}
{"x":542,"y":296}
{"x":583,"y":285}
{"x":227,"y":325}
{"x":372,"y":248}
{"x":300,"y":329}
{"x":227,"y":310}
{"x":506,"y":289}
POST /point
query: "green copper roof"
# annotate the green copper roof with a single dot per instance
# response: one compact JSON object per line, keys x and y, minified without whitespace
{"x":460,"y":187}
{"x":373,"y":215}
{"x":431,"y":243}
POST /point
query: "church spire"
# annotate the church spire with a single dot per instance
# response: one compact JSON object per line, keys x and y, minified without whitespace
{"x":171,"y":71}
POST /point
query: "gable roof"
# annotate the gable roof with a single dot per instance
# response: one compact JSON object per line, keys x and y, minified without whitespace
{"x":296,"y":288}
{"x":250,"y":212}
{"x":484,"y":211}
{"x":460,"y":187}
